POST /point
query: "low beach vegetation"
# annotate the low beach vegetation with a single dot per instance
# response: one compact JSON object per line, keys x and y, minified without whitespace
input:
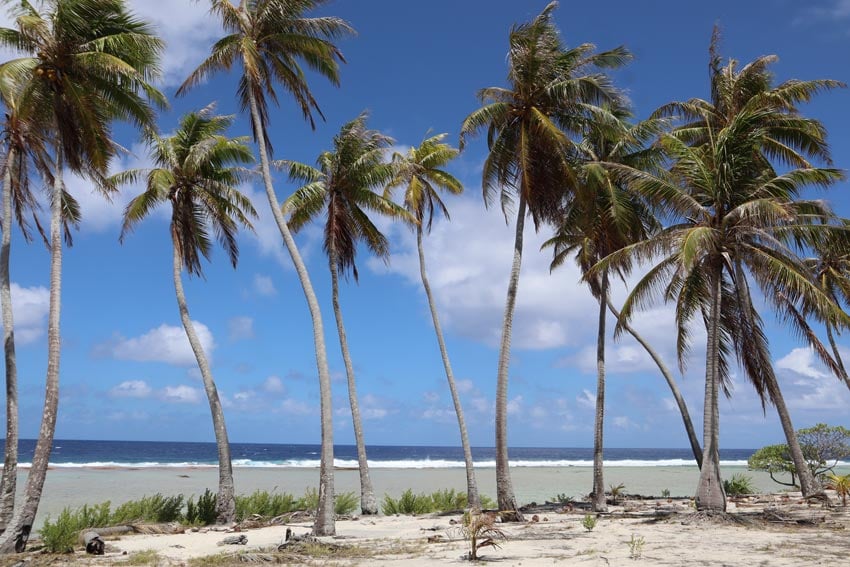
{"x":823,"y":447}
{"x":840,"y":484}
{"x":446,"y":500}
{"x":739,"y":485}
{"x":589,"y":522}
{"x":479,"y":530}
{"x":636,"y":544}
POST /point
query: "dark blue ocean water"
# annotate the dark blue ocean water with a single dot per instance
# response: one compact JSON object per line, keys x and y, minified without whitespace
{"x":140,"y":454}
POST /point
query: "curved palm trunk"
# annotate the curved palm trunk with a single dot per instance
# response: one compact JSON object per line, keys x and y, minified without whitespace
{"x":15,"y":537}
{"x":671,"y":382}
{"x":843,"y":372}
{"x":368,"y":505}
{"x":807,"y":480}
{"x":598,"y":503}
{"x":225,"y":506}
{"x":710,"y":495}
{"x":504,"y":486}
{"x":8,"y":482}
{"x":472,"y":497}
{"x":325,"y":523}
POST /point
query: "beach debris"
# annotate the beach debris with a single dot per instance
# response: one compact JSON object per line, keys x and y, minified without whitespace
{"x":94,"y":544}
{"x":535,"y":518}
{"x":241,"y":539}
{"x":434,"y":538}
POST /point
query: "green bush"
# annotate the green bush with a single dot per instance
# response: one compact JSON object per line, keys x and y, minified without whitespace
{"x":447,"y":500}
{"x":589,"y":522}
{"x":408,"y":503}
{"x":738,"y":484}
{"x":61,"y":536}
{"x":266,"y":504}
{"x":310,"y":501}
{"x":346,"y":503}
{"x":156,"y":508}
{"x":203,"y":513}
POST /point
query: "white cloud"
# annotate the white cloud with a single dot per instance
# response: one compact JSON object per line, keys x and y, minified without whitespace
{"x":514,"y":406}
{"x":295,"y":407}
{"x":464,"y":386}
{"x":803,"y":362}
{"x":187,"y":29}
{"x":240,"y":328}
{"x":264,"y":285}
{"x":163,"y":344}
{"x":624,"y":422}
{"x":431,"y":397}
{"x":587,"y":399}
{"x":30,"y":306}
{"x":273,"y":385}
{"x":131,"y":389}
{"x":181,"y":394}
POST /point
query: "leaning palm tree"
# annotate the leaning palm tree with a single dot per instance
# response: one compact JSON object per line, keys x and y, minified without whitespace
{"x":420,"y":171}
{"x":268,"y":38}
{"x":738,"y":222}
{"x":603,"y":217}
{"x":551,"y":94}
{"x":343,"y":186}
{"x":90,"y":62}
{"x":197,"y":173}
{"x":24,"y":148}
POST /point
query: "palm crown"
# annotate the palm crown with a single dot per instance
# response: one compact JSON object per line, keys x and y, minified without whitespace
{"x":197,"y":172}
{"x":344,"y":186}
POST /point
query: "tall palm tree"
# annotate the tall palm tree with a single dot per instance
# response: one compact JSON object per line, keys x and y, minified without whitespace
{"x":23,"y":145}
{"x":344,"y":186}
{"x":738,"y":221}
{"x":197,"y":173}
{"x":90,"y":62}
{"x":551,"y":94}
{"x":420,"y":171}
{"x":600,"y":218}
{"x":268,"y":38}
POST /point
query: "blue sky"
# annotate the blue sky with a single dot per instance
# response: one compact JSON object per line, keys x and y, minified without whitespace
{"x":127,"y":371}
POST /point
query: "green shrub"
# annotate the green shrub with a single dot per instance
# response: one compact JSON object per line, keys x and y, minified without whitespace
{"x":487,"y":503}
{"x":738,"y":485}
{"x":203,"y":513}
{"x":408,"y":503}
{"x":589,"y":522}
{"x":447,"y":500}
{"x":346,"y":503}
{"x":61,"y":536}
{"x":156,"y":508}
{"x":266,"y":504}
{"x":310,"y":501}
{"x":562,"y":499}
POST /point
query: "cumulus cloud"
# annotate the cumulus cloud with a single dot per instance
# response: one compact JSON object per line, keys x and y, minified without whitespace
{"x":240,"y":328}
{"x":264,"y":286}
{"x":181,"y":394}
{"x":29,"y":308}
{"x":587,"y":399}
{"x":163,"y":344}
{"x":273,"y":385}
{"x":131,"y":389}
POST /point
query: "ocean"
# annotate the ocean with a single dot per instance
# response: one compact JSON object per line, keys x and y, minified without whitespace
{"x":157,"y":454}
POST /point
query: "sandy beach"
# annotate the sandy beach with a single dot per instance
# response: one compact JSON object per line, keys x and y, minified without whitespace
{"x":779,"y":530}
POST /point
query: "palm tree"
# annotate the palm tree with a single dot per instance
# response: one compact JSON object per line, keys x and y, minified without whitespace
{"x":268,"y":38}
{"x":24,"y":144}
{"x":552,"y":91}
{"x":420,"y":170}
{"x":738,"y":221}
{"x":91,"y":62}
{"x":831,"y":271}
{"x":197,"y":174}
{"x":601,"y":218}
{"x":343,"y":185}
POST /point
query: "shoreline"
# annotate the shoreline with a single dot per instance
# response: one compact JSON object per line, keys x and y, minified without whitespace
{"x":74,"y":487}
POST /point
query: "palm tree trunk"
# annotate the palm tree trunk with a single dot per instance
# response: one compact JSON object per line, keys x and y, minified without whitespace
{"x":598,"y":504}
{"x":368,"y":505}
{"x":472,"y":498}
{"x":325,"y":523}
{"x":671,"y":382}
{"x":504,"y":486}
{"x":843,"y":372}
{"x":14,"y":539}
{"x":710,"y":495}
{"x":225,"y":502}
{"x":8,"y":482}
{"x":807,"y":480}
